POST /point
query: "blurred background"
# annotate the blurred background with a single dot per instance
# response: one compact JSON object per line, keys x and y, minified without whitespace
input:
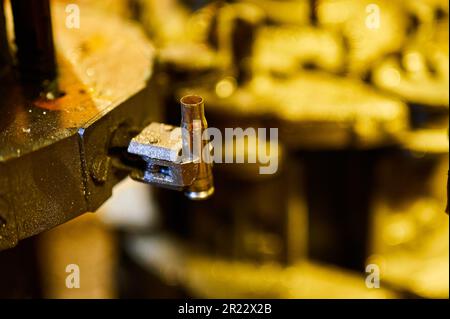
{"x":359,"y":92}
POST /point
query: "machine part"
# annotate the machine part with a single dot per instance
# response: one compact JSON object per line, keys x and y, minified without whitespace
{"x":233,"y":33}
{"x":347,"y":114}
{"x":365,"y":43}
{"x":56,"y":155}
{"x":286,"y":50}
{"x":160,"y":144}
{"x":284,"y":12}
{"x":420,"y":74}
{"x":426,"y":11}
{"x":169,"y":153}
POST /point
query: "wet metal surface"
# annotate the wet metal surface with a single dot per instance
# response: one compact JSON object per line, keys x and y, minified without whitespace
{"x":53,"y":150}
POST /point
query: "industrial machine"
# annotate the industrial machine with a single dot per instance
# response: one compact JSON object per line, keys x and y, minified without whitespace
{"x":93,"y":96}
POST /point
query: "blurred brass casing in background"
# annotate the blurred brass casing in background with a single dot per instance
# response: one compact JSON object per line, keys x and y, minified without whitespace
{"x":358,"y":90}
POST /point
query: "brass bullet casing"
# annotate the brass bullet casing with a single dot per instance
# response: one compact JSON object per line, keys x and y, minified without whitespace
{"x":193,"y":124}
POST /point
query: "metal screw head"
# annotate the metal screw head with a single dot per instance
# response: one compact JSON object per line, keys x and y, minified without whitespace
{"x":100,"y":168}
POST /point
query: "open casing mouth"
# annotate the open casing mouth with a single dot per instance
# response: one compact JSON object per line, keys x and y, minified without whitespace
{"x":193,"y":124}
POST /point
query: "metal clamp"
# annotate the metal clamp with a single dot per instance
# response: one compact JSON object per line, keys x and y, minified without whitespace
{"x":167,"y":151}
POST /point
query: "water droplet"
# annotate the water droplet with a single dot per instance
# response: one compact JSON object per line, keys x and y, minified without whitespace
{"x":50,"y":96}
{"x":90,"y":72}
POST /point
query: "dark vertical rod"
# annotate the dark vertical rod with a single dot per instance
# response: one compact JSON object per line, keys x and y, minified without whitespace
{"x":135,"y":8}
{"x":34,"y":40}
{"x":5,"y":56}
{"x":242,"y":38}
{"x":313,"y":12}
